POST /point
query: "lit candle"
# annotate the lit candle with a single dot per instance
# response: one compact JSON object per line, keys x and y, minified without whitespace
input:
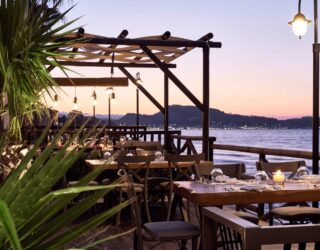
{"x":278,"y":177}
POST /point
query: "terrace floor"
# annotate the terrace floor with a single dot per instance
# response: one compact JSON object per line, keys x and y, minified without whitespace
{"x":125,"y":242}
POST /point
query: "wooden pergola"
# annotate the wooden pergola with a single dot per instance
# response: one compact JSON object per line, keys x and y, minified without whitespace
{"x":145,"y":52}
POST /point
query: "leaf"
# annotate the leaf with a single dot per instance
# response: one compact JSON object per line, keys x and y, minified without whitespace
{"x":7,"y":225}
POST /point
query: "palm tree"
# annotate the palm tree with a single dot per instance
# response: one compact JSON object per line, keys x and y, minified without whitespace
{"x":28,"y":30}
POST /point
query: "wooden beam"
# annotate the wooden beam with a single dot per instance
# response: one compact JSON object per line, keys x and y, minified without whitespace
{"x":123,"y":34}
{"x":89,"y":82}
{"x":125,"y":65}
{"x":50,"y":68}
{"x":142,"y":89}
{"x":206,"y":102}
{"x":147,"y":42}
{"x":173,"y":78}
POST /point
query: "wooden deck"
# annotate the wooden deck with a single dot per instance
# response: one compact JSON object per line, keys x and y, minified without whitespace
{"x":126,"y":242}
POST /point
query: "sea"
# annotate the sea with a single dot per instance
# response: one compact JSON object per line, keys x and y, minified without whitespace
{"x":296,"y":139}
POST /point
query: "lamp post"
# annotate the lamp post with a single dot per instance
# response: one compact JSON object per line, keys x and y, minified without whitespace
{"x":299,"y":26}
{"x":138,"y":81}
{"x":94,"y":103}
{"x":111,"y":98}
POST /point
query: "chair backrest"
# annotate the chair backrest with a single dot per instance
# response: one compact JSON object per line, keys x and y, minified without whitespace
{"x":135,"y":208}
{"x":181,"y":167}
{"x":148,"y":145}
{"x":233,"y":170}
{"x":134,"y":164}
{"x":288,"y":166}
{"x":145,"y":152}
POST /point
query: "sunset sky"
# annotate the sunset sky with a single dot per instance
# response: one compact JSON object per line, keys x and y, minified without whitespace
{"x":261,"y":69}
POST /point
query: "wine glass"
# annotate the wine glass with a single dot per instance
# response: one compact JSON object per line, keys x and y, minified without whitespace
{"x":106,"y":155}
{"x":261,"y":176}
{"x":109,"y":145}
{"x":122,"y":139}
{"x":217,"y":174}
{"x":301,"y":172}
{"x":158,"y":156}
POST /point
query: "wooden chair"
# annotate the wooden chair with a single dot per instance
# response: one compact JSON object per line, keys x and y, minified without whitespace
{"x":134,"y":165}
{"x":145,"y":152}
{"x":289,"y":167}
{"x":234,"y":170}
{"x":163,"y":231}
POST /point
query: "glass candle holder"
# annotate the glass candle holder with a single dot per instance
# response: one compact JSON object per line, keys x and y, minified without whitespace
{"x":278,"y":177}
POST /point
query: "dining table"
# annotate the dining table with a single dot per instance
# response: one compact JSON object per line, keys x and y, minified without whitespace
{"x":94,"y":163}
{"x":242,"y":192}
{"x":206,"y":195}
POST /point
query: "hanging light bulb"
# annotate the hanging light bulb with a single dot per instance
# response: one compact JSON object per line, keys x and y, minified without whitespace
{"x":113,"y":97}
{"x":299,"y":23}
{"x":75,"y":103}
{"x":94,"y":98}
{"x":138,"y":78}
{"x":75,"y":99}
{"x":55,"y":101}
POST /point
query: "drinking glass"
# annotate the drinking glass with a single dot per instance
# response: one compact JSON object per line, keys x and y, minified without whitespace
{"x":122,"y":139}
{"x":261,"y":177}
{"x":217,"y":174}
{"x":109,"y":145}
{"x":158,"y":156}
{"x":302,"y":171}
{"x":106,"y":155}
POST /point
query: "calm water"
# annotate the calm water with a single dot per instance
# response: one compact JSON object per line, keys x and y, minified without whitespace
{"x":298,"y":139}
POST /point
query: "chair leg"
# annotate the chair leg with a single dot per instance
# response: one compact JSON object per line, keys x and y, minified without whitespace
{"x":302,"y":246}
{"x":195,"y":243}
{"x":183,"y":245}
{"x":287,"y":246}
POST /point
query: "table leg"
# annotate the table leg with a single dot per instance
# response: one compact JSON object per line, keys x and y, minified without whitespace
{"x":209,"y":230}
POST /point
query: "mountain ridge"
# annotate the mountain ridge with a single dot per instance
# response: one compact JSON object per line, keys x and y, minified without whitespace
{"x":180,"y":116}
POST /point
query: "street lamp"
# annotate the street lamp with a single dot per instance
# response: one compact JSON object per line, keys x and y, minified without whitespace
{"x":138,"y":82}
{"x":94,"y":102}
{"x":111,"y":99}
{"x":299,"y":26}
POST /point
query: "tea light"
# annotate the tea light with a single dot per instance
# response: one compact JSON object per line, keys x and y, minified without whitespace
{"x":278,"y":177}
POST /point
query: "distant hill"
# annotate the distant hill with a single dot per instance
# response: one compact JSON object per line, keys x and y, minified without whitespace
{"x":190,"y":116}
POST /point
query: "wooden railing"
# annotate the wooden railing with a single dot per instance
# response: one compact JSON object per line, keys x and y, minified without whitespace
{"x":149,"y":135}
{"x":180,"y":144}
{"x":263,"y":152}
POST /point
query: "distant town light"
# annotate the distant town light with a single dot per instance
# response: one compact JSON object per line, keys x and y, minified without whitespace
{"x":299,"y":25}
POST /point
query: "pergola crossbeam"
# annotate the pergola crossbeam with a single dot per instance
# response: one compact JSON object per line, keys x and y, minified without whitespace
{"x":125,"y":65}
{"x":89,"y":82}
{"x":173,"y":78}
{"x":142,"y":89}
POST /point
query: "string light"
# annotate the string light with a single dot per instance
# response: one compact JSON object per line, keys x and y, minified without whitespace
{"x":75,"y":99}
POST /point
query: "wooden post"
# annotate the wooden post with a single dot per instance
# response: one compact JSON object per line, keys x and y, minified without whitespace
{"x":166,"y":111}
{"x":206,"y":102}
{"x":109,"y":111}
{"x":137,"y":118}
